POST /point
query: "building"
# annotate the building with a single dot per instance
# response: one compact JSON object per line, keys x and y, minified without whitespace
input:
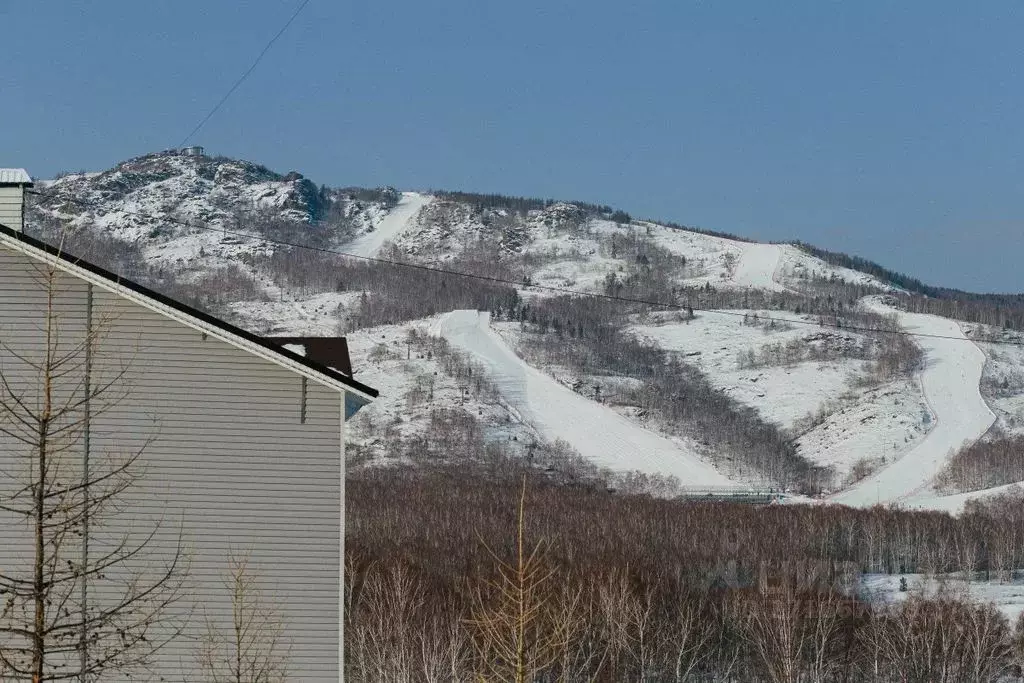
{"x":241,"y":439}
{"x":194,"y":151}
{"x":13,"y":182}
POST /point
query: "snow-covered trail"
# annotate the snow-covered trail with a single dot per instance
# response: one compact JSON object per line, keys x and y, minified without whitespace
{"x":950,"y":382}
{"x":757,"y":265}
{"x":391,"y":227}
{"x":597,"y":432}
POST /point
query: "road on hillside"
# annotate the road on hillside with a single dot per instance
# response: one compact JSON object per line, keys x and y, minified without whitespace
{"x":390,"y":227}
{"x":950,"y":381}
{"x":597,"y":432}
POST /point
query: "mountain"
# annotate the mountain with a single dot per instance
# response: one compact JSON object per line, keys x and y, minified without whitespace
{"x":707,"y":361}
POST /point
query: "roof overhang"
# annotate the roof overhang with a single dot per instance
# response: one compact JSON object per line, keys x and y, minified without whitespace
{"x":15,"y":177}
{"x":186,"y":315}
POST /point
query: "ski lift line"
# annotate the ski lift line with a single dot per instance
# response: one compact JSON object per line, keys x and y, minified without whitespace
{"x":245,"y":75}
{"x":546,"y":288}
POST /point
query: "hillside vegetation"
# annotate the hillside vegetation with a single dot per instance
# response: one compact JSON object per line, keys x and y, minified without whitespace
{"x":265,"y":251}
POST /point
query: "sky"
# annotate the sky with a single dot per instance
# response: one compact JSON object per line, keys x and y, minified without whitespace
{"x":893,"y":131}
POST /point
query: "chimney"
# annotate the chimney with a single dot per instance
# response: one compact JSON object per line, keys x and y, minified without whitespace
{"x":13,"y":182}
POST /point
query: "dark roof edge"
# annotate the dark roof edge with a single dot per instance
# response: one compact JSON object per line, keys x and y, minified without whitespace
{"x":187,"y":310}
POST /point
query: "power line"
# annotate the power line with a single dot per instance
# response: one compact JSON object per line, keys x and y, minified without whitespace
{"x":245,"y":75}
{"x":547,"y":288}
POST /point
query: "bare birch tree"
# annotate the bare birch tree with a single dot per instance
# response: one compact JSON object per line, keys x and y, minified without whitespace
{"x":77,"y":604}
{"x":253,"y":649}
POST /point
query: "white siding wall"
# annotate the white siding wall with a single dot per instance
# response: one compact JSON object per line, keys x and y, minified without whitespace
{"x":228,"y":465}
{"x":11,"y":199}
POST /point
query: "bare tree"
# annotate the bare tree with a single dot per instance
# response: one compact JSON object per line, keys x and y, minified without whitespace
{"x":83,"y":596}
{"x":628,"y":617}
{"x":444,"y":649}
{"x":695,"y":631}
{"x":512,"y":614}
{"x":386,"y":618}
{"x":253,"y":649}
{"x":779,"y":632}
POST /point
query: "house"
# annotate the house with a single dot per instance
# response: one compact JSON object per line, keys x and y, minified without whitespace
{"x":241,"y":442}
{"x":13,"y":182}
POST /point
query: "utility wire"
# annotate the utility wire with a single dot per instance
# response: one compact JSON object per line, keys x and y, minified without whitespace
{"x":547,"y":288}
{"x":245,"y":75}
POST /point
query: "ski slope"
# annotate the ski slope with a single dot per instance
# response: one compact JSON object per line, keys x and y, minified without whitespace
{"x":950,"y":383}
{"x":597,"y":432}
{"x":393,"y":224}
{"x":757,"y":266}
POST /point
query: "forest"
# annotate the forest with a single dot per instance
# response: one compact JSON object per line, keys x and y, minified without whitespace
{"x":995,"y":461}
{"x":481,"y":571}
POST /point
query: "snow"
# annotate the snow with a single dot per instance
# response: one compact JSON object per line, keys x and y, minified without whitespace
{"x":1003,"y":379}
{"x":382,"y":359}
{"x":950,"y":382}
{"x":796,"y":264}
{"x":858,"y":420}
{"x":734,"y":263}
{"x":391,"y":227}
{"x":1007,"y":597}
{"x":954,"y":504}
{"x":313,"y":316}
{"x":596,"y":431}
{"x":715,"y":341}
{"x":757,"y":266}
{"x":874,"y":426}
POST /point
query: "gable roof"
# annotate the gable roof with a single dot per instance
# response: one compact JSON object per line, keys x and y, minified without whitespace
{"x":186,"y":315}
{"x":15,"y":176}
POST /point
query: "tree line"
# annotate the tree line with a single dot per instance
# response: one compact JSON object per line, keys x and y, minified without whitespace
{"x":1000,"y":310}
{"x":522,"y":205}
{"x":994,"y":461}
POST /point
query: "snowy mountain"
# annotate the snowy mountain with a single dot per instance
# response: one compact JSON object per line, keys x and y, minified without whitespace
{"x":773,"y":367}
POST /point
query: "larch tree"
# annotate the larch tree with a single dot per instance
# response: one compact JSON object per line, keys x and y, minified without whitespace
{"x":515,"y":636}
{"x":82,"y":595}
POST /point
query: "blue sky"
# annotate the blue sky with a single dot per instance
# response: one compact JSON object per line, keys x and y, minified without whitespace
{"x":892,"y":132}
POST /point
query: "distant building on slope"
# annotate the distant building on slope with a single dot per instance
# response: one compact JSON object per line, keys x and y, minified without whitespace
{"x":194,"y":151}
{"x":13,"y":182}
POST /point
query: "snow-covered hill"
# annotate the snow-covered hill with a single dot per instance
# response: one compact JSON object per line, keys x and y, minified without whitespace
{"x":596,"y":431}
{"x":232,"y":234}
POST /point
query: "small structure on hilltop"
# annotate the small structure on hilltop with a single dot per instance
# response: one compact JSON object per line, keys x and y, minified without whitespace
{"x":194,"y":151}
{"x":13,"y":182}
